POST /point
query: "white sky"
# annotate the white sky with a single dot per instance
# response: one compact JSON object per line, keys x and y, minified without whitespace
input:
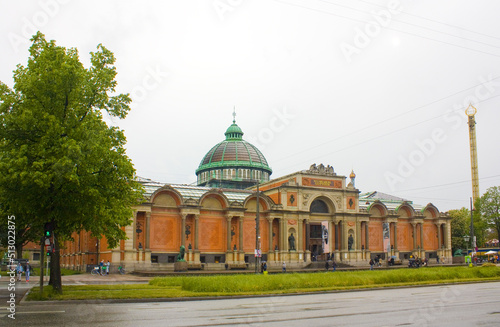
{"x":308,"y":84}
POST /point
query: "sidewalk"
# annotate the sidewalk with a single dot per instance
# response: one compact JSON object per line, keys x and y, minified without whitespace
{"x":88,"y":279}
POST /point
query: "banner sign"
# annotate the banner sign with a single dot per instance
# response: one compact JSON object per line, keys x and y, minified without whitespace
{"x":324,"y":236}
{"x":386,"y":234}
{"x":306,"y":181}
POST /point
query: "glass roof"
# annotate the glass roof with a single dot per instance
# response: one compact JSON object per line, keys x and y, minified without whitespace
{"x":193,"y":192}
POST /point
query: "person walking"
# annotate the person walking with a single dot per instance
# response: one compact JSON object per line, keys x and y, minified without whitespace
{"x":371,"y":264}
{"x":284,"y":267}
{"x":19,"y":270}
{"x":334,"y":264}
{"x":101,"y":267}
{"x":327,"y":265}
{"x":27,"y":271}
{"x":107,"y":267}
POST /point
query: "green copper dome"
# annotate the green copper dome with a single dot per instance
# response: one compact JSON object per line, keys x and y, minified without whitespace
{"x":233,"y":163}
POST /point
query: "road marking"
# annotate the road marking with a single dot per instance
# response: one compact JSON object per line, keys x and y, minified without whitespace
{"x":38,"y":312}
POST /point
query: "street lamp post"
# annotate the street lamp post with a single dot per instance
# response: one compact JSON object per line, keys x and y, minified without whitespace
{"x":257,"y":232}
{"x":466,"y":239}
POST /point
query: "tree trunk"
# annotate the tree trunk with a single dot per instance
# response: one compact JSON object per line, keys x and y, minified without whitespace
{"x":19,"y":250}
{"x":55,"y":268}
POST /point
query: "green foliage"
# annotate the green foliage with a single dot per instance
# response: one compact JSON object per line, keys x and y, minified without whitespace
{"x":60,"y":162}
{"x":460,"y":226}
{"x":489,"y":207}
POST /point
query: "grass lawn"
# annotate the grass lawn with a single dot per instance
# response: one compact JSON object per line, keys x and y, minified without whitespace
{"x":233,"y":285}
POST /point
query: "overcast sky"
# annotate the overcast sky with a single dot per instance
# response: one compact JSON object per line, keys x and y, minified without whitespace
{"x":376,"y":86}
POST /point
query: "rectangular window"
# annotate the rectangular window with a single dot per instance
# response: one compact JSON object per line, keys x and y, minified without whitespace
{"x":316,"y":231}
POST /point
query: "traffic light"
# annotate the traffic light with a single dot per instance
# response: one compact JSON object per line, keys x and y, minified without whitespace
{"x":48,"y":229}
{"x":49,"y":249}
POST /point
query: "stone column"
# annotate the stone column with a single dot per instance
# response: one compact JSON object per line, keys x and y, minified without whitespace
{"x":147,"y":236}
{"x":358,"y":236}
{"x":115,"y":255}
{"x":270,"y":252}
{"x":183,"y":229}
{"x":339,"y":236}
{"x":270,"y":221}
{"x":134,"y":235}
{"x":331,"y":247}
{"x":345,"y":236}
{"x":445,"y":236}
{"x":447,"y":240}
{"x":308,"y":235}
{"x":395,"y":237}
{"x":196,"y":231}
{"x":196,"y":238}
{"x":414,"y":225}
{"x":422,"y":236}
{"x":367,"y":236}
{"x":130,"y":252}
{"x":240,"y":248}
{"x":228,"y":218}
{"x":438,"y":228}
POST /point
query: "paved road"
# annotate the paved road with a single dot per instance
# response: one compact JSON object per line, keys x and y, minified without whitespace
{"x":453,"y":305}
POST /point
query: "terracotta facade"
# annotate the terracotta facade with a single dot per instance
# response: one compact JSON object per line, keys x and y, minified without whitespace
{"x":218,"y":226}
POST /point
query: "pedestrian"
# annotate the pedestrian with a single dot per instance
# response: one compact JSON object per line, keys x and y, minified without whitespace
{"x":19,"y":270}
{"x":327,"y":265}
{"x":101,"y":267}
{"x":27,"y":271}
{"x":265,"y":266}
{"x":371,"y":264}
{"x":284,"y":267}
{"x":334,"y":264}
{"x":437,"y":258}
{"x":107,"y":267}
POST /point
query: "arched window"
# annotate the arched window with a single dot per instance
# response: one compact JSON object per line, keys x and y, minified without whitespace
{"x":319,"y":206}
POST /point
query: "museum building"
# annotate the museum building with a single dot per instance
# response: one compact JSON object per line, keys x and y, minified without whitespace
{"x":307,"y":216}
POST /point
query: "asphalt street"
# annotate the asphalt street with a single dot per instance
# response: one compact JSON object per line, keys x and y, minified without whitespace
{"x":447,"y":305}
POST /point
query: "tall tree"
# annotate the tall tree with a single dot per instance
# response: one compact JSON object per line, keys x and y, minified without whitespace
{"x":59,"y":161}
{"x":489,"y":207}
{"x":460,"y":227}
